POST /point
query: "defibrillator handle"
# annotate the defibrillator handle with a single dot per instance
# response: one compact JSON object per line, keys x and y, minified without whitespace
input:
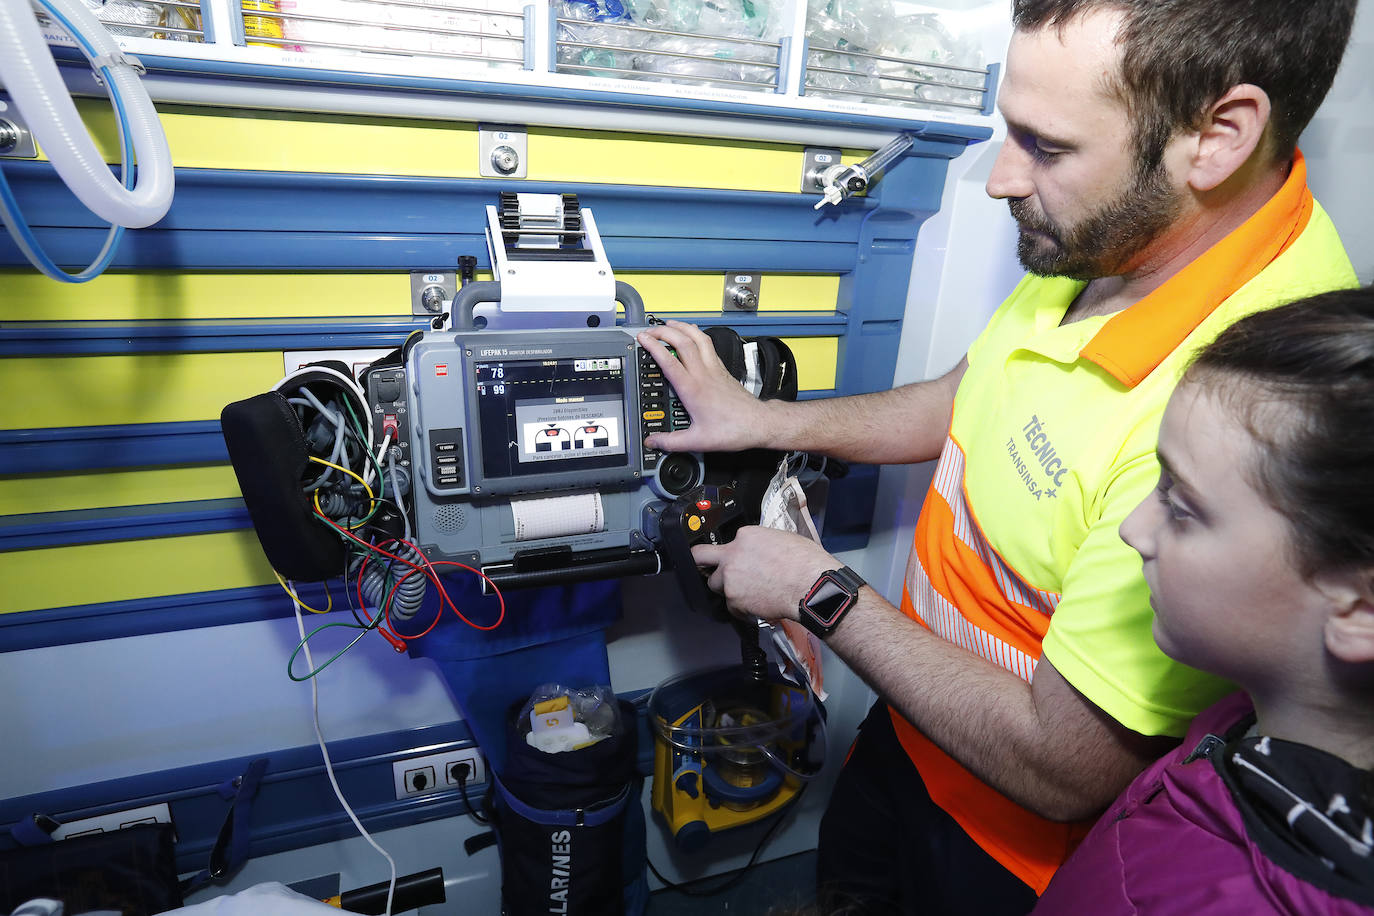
{"x":480,"y":291}
{"x":708,"y":514}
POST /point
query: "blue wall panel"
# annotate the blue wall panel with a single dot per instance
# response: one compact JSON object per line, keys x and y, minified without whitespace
{"x":260,"y":221}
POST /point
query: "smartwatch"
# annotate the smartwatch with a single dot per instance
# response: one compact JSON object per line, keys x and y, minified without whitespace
{"x":829,"y":599}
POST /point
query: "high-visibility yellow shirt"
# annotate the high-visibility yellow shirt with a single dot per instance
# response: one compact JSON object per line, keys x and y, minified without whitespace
{"x":1052,"y":444}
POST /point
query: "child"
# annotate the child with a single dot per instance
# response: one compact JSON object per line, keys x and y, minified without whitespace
{"x":1258,"y":547}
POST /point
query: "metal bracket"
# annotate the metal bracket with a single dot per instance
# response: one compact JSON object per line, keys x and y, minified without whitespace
{"x":741,"y":291}
{"x":815,"y":160}
{"x":16,"y":142}
{"x":432,"y":292}
{"x":501,"y":151}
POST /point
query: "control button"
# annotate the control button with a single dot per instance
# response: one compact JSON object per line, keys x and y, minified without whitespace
{"x":444,"y":447}
{"x":703,"y":504}
{"x":694,"y":522}
{"x":445,"y":481}
{"x":451,"y":459}
{"x":654,"y":415}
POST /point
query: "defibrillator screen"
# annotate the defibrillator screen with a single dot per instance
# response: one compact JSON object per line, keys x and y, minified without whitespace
{"x":550,"y":415}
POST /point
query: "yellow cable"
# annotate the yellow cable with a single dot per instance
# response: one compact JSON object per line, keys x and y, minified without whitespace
{"x":336,"y":467}
{"x":297,"y":598}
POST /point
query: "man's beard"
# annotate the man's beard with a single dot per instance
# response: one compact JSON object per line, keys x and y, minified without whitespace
{"x":1102,"y":243}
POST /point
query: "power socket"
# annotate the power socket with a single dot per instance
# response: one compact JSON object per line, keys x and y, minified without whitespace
{"x":435,"y":773}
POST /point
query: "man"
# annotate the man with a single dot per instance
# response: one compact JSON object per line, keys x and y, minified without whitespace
{"x":1151,"y":166}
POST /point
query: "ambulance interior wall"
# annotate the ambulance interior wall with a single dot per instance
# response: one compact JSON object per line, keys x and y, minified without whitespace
{"x":84,"y":712}
{"x":95,"y":709}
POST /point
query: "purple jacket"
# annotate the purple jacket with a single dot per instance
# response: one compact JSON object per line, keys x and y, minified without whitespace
{"x":1227,"y":824}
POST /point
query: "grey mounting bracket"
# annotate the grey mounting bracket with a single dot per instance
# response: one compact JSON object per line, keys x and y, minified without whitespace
{"x":741,"y":291}
{"x":815,"y":160}
{"x":432,"y":291}
{"x":16,"y":141}
{"x":502,"y":152}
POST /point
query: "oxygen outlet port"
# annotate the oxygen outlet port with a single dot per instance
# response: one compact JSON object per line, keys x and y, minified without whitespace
{"x":505,"y":159}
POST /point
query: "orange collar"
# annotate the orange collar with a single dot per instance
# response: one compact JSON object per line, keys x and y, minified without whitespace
{"x":1135,"y":340}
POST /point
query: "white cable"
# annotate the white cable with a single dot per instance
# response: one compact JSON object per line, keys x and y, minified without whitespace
{"x":328,"y":765}
{"x":383,"y":451}
{"x":327,"y":472}
{"x":289,"y":380}
{"x":340,"y":426}
{"x":31,"y":77}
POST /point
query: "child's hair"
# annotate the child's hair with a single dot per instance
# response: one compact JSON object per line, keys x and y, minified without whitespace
{"x":1301,"y":379}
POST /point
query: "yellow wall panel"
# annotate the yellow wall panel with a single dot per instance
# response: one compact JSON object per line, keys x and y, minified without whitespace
{"x":223,"y":138}
{"x":127,"y":570}
{"x":816,"y":361}
{"x":665,"y":293}
{"x":62,"y":492}
{"x":798,"y":292}
{"x":643,"y":159}
{"x":170,"y":296}
{"x":110,"y":390}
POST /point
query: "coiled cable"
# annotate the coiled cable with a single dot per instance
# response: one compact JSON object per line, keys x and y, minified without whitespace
{"x":380,"y":580}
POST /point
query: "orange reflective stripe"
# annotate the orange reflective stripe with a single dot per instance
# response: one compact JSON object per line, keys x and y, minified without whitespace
{"x":959,"y":587}
{"x":949,"y":483}
{"x":974,"y":599}
{"x":945,"y":621}
{"x":1027,"y":845}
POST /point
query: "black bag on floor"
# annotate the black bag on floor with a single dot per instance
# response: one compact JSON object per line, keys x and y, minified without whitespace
{"x":130,"y":871}
{"x":560,"y":821}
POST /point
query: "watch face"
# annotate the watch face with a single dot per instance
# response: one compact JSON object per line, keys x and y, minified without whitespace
{"x":827,"y":601}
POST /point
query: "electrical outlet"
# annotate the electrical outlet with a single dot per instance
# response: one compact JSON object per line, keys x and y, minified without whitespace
{"x":435,"y":773}
{"x":159,"y":813}
{"x":418,"y":779}
{"x":356,"y":359}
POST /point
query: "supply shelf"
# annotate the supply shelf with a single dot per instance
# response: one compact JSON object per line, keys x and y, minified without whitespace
{"x":883,"y":66}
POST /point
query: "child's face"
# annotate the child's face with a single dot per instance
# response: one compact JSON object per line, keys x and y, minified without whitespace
{"x":1226,"y":594}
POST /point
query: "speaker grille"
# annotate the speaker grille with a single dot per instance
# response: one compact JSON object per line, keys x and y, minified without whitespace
{"x":450,"y":518}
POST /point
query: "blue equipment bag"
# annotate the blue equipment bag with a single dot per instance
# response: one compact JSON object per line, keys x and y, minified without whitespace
{"x":562,"y":820}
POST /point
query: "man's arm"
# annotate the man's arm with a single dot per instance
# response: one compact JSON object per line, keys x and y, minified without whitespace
{"x":903,"y":425}
{"x":1042,"y":744}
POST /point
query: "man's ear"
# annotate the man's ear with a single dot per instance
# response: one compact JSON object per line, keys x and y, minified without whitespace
{"x":1233,"y":128}
{"x":1349,"y":630}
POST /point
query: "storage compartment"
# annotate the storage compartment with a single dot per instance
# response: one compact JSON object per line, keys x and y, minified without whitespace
{"x":875,"y":64}
{"x":159,"y":20}
{"x":706,"y":43}
{"x":483,"y":33}
{"x":877,"y":52}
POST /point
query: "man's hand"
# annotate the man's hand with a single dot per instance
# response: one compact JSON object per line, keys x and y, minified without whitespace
{"x":725,"y":417}
{"x":763,"y":571}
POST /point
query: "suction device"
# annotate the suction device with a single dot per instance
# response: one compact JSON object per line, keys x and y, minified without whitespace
{"x":730,"y":749}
